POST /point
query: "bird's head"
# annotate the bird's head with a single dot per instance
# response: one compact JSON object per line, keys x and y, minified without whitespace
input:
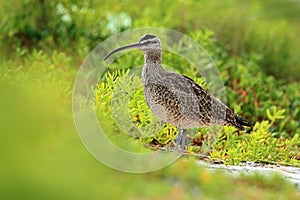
{"x":147,"y":43}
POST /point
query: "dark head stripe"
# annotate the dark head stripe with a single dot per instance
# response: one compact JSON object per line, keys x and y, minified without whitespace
{"x":146,"y":37}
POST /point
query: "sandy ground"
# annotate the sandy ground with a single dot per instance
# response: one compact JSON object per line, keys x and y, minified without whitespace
{"x":290,"y":173}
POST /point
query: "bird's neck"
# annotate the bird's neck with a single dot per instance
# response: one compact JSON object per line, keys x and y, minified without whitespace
{"x":153,"y":57}
{"x":152,"y":66}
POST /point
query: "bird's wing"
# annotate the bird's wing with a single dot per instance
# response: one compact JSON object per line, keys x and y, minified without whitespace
{"x":209,"y":106}
{"x":185,"y":86}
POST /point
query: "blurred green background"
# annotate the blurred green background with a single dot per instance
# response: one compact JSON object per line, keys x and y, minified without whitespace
{"x":43,"y":44}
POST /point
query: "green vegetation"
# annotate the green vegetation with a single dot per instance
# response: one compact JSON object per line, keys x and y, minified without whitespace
{"x":274,"y":138}
{"x":268,"y":28}
{"x":43,"y":43}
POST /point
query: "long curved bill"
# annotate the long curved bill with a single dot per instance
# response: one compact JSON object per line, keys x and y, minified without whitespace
{"x":131,"y":46}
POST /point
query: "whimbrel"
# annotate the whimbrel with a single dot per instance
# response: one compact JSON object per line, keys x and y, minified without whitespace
{"x":177,"y":99}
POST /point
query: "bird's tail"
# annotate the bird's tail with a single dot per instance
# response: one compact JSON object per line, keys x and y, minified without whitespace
{"x":241,"y":122}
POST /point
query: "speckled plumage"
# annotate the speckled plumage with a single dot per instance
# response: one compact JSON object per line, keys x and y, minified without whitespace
{"x":177,"y":99}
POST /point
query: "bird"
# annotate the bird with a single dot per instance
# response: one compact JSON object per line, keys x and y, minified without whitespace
{"x":177,"y":99}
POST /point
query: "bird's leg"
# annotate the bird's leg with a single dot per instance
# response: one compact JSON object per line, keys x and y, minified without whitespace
{"x":178,"y":139}
{"x":183,"y":138}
